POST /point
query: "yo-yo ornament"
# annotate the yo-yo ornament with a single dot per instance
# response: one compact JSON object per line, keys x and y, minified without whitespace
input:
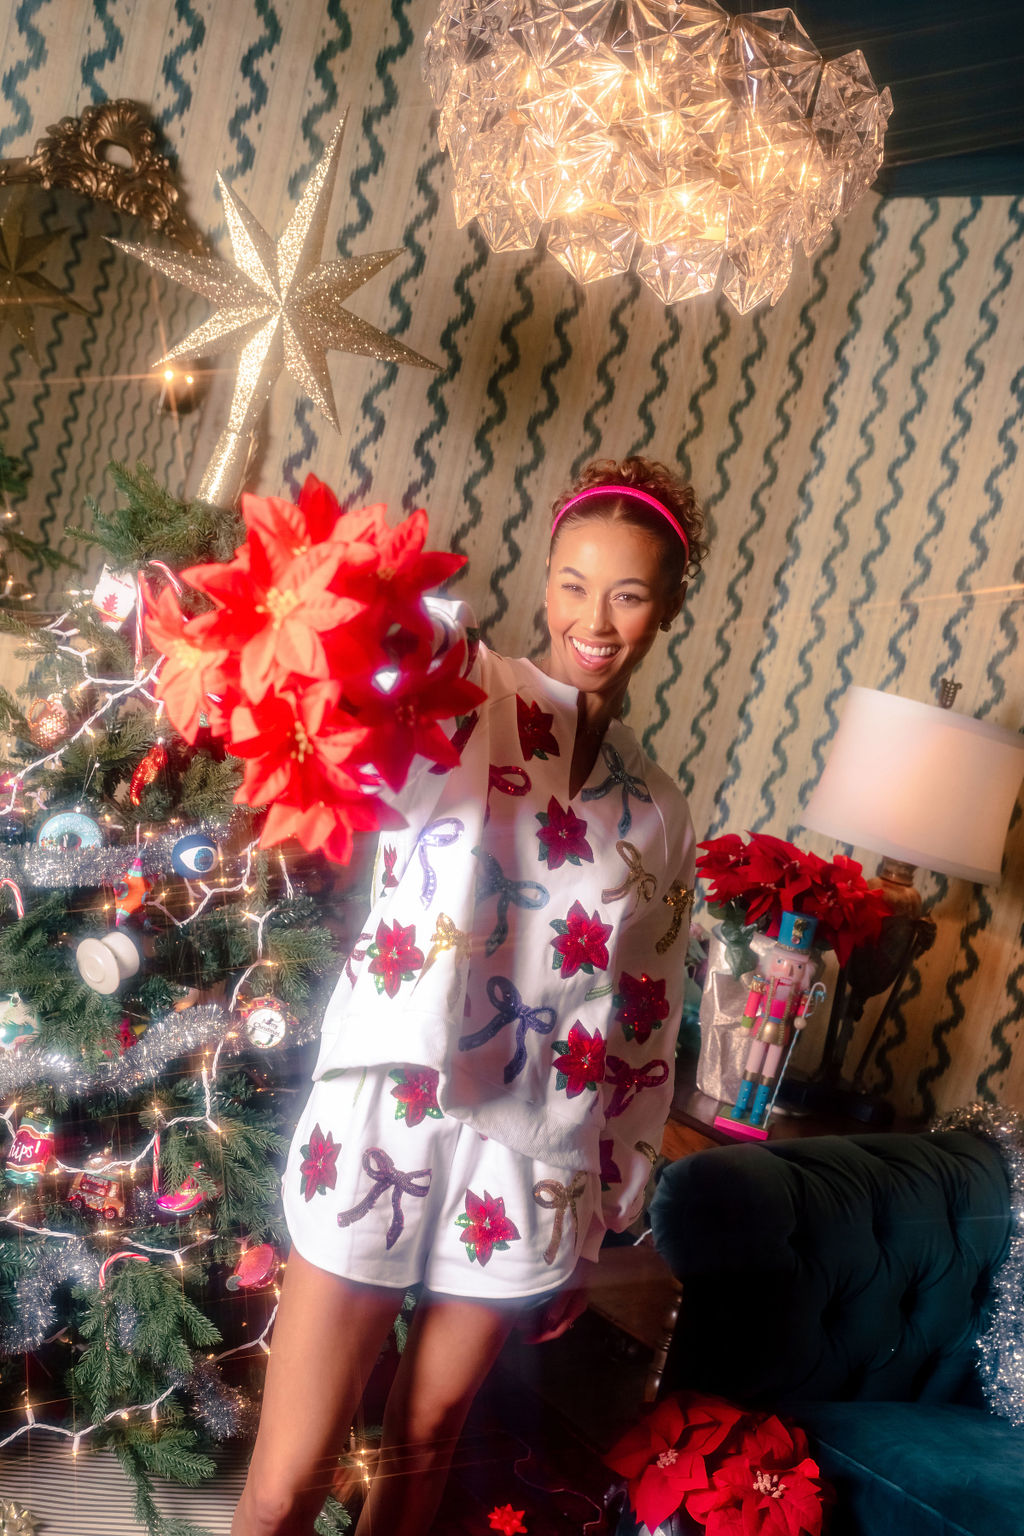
{"x":104,"y":963}
{"x":267,"y":1021}
{"x":69,"y":831}
{"x":194,"y":854}
{"x":256,"y":1267}
{"x":19,"y":1023}
{"x":29,"y":1154}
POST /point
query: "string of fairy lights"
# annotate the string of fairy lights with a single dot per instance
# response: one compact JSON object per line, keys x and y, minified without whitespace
{"x":174,"y":1029}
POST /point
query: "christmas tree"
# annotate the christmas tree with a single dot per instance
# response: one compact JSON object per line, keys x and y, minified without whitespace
{"x":232,"y":683}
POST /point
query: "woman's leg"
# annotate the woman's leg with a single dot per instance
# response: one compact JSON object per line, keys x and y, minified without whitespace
{"x":453,"y":1342}
{"x":327,"y":1335}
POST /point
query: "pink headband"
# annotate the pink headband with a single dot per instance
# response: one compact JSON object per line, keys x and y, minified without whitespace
{"x":628,"y":494}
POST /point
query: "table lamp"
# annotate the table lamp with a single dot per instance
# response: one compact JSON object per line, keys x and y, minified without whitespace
{"x":919,"y":784}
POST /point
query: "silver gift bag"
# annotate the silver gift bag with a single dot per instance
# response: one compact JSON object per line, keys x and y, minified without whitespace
{"x":724,"y":1037}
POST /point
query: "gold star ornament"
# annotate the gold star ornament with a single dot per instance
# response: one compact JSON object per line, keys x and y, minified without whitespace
{"x":278,"y":308}
{"x":23,"y":288}
{"x":16,"y":1520}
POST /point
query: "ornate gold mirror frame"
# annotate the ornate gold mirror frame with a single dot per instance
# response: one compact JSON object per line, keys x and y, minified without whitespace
{"x":80,"y":154}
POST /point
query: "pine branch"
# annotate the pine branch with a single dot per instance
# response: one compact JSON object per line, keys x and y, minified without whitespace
{"x":156,"y":526}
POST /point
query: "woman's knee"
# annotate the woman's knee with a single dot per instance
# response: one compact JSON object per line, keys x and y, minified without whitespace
{"x":269,"y":1508}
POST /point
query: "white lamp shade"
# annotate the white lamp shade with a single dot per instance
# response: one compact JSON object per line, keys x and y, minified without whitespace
{"x":918,"y":783}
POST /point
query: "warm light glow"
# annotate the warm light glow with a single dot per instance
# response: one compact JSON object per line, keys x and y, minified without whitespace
{"x":667,"y":135}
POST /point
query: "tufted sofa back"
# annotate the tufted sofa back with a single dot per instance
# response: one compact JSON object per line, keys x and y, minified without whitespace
{"x":833,"y":1267}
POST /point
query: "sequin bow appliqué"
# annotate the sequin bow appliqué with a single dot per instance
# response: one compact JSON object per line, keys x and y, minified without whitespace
{"x":521,"y":893}
{"x":619,"y":778}
{"x":437,"y":834}
{"x":386,"y":1176}
{"x":510,"y":1008}
{"x":553,"y":1196}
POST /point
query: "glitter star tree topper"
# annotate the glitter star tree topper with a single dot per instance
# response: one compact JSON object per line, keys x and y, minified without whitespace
{"x":279,"y":308}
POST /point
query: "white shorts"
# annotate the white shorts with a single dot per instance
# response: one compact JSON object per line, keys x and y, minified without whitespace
{"x":381,"y":1187}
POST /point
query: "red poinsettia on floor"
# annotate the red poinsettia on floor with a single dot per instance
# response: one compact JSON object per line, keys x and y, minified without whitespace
{"x":755,"y":881}
{"x":313,"y":663}
{"x":734,"y":1473}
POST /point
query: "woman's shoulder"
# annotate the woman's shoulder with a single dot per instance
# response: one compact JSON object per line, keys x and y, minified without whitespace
{"x":664,"y":790}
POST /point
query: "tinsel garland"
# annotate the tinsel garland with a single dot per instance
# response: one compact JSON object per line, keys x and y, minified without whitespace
{"x":1000,"y":1350}
{"x":167,"y":1037}
{"x":68,"y":868}
{"x":51,"y":1265}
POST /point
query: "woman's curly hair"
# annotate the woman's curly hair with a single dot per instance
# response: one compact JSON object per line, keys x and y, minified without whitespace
{"x":658,"y":481}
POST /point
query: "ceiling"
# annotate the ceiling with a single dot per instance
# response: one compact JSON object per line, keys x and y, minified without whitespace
{"x":956,"y":72}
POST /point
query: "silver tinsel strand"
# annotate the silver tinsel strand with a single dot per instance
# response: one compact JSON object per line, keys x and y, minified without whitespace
{"x":1000,"y":1350}
{"x":225,"y":1412}
{"x":52,"y":1264}
{"x":66,"y":868}
{"x":169,"y":1036}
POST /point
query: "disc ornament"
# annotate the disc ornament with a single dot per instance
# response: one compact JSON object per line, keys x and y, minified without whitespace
{"x":267,"y":1021}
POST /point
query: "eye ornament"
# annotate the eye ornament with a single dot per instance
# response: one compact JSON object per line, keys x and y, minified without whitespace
{"x":195,"y":854}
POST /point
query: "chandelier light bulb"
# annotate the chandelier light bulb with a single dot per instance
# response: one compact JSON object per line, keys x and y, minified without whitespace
{"x":698,"y":147}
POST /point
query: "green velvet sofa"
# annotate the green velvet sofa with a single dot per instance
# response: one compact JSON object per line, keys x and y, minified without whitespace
{"x":844,"y":1280}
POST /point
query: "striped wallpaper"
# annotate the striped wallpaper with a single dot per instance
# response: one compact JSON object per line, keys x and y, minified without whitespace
{"x":858,"y":446}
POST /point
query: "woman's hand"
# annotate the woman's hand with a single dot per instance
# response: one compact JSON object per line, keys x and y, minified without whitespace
{"x":562,"y":1309}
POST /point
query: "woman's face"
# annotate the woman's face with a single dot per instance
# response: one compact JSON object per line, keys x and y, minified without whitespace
{"x":605,"y":601}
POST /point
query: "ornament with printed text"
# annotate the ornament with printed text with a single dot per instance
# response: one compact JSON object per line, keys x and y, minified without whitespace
{"x":98,"y":1188}
{"x":256,"y":1268}
{"x":146,"y":771}
{"x":70,"y":831}
{"x":194,"y":854}
{"x":31,"y":1151}
{"x":48,"y":721}
{"x":266,"y":1021}
{"x":18,"y":1023}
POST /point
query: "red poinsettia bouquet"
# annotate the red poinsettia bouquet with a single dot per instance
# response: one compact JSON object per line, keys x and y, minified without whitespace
{"x":751,"y":884}
{"x":715,"y":1466}
{"x":313,"y":663}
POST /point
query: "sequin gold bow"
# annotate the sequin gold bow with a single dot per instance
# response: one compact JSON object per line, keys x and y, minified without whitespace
{"x":553,"y":1196}
{"x":680,"y":899}
{"x":637,"y":879}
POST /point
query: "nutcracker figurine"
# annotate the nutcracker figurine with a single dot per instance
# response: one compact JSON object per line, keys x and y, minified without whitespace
{"x":781,"y":999}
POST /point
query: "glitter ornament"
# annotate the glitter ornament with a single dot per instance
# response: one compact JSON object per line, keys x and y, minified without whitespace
{"x":18,"y":1023}
{"x":256,"y":1267}
{"x":131,"y":892}
{"x":29,"y":1154}
{"x":188,"y":1197}
{"x":280,"y":308}
{"x":48,"y":722}
{"x":146,"y":771}
{"x":195,"y":854}
{"x":69,"y":831}
{"x":266,"y":1021}
{"x":1000,"y":1350}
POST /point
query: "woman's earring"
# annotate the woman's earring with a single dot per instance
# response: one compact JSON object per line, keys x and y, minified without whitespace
{"x":666,"y":624}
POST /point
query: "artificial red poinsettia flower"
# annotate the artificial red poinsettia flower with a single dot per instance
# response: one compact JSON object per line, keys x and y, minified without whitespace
{"x":562,"y":836}
{"x":318,"y":1170}
{"x":579,"y":1061}
{"x":580,"y":942}
{"x":328,"y":828}
{"x":465,"y":725}
{"x":394,"y":589}
{"x":193,"y":667}
{"x":535,"y":737}
{"x":395,"y":957}
{"x":403,"y":721}
{"x":642,"y":1005}
{"x":849,"y":911}
{"x":665,"y":1457}
{"x":485,"y":1226}
{"x":768,"y":1487}
{"x":506,"y":1519}
{"x":298,"y":748}
{"x":416,"y":1094}
{"x":609,"y":1167}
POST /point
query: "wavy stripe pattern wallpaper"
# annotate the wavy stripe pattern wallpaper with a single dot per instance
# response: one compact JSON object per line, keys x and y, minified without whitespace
{"x":859,"y":447}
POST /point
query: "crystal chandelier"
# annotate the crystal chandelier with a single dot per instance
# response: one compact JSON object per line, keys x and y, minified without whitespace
{"x":699,"y":145}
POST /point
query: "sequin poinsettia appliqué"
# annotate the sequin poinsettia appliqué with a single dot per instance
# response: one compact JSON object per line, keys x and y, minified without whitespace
{"x":485,"y":1226}
{"x":394,"y":957}
{"x":642,"y":1006}
{"x":579,"y":1061}
{"x":416,"y":1094}
{"x":318,"y":1171}
{"x":580,"y":942}
{"x":562,"y":837}
{"x":535,"y":735}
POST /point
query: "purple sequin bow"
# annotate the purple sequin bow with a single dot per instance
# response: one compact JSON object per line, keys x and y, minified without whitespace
{"x":386,"y":1176}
